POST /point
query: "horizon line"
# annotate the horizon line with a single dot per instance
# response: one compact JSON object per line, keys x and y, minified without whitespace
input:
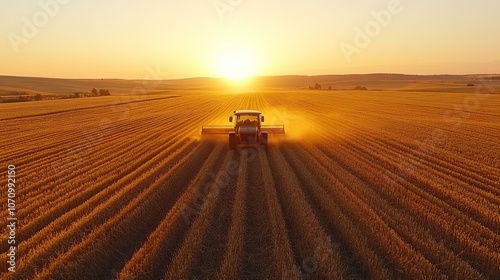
{"x":253,"y":77}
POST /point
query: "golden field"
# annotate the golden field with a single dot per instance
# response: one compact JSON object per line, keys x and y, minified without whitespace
{"x":400,"y":183}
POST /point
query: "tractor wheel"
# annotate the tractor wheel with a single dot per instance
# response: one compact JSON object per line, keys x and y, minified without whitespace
{"x":264,"y":139}
{"x":232,"y":141}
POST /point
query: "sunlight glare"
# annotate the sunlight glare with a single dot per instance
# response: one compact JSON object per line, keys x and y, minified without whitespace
{"x":235,"y":64}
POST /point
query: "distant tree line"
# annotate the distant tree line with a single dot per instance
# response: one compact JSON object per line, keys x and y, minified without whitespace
{"x":359,"y":88}
{"x":317,"y":86}
{"x":22,"y":96}
{"x":92,"y":93}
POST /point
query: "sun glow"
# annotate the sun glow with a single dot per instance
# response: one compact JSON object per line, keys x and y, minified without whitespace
{"x":235,"y":64}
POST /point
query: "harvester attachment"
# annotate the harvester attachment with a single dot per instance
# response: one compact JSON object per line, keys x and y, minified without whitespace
{"x":273,"y":129}
{"x":216,"y":129}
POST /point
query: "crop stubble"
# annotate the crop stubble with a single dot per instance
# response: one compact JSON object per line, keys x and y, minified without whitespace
{"x":362,"y":187}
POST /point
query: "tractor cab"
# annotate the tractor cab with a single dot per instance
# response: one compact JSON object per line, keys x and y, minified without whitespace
{"x":247,"y":118}
{"x":247,"y":125}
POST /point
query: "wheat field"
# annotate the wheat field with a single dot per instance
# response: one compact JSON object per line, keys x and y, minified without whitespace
{"x":365,"y":185}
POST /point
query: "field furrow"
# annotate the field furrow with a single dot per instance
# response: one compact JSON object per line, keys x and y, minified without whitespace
{"x":305,"y":230}
{"x":230,"y":267}
{"x":130,"y":225}
{"x":151,"y":260}
{"x":376,"y":184}
{"x":188,"y":254}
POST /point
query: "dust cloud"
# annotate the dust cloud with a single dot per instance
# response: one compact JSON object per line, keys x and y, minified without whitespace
{"x":298,"y":125}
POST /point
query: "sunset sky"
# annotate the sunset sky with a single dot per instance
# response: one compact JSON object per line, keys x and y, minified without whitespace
{"x":124,"y":38}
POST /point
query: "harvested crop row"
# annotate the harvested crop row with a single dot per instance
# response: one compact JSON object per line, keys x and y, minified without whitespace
{"x":282,"y":250}
{"x":183,"y":260}
{"x":475,"y":172}
{"x":449,"y":228}
{"x":473,"y":228}
{"x":47,"y":197}
{"x":449,"y":189}
{"x":401,"y":222}
{"x":89,"y":199}
{"x":65,"y":132}
{"x":258,"y":233}
{"x":349,"y":234}
{"x":66,"y":234}
{"x":149,"y":262}
{"x":400,"y":254}
{"x":230,"y":267}
{"x":354,"y":192}
{"x":362,"y":159}
{"x":305,"y":229}
{"x":86,"y":191}
{"x":129,"y":226}
{"x":87,"y":147}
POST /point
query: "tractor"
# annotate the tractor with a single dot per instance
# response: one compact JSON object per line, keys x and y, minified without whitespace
{"x":247,"y":130}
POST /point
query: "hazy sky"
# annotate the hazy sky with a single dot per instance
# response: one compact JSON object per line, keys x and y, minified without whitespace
{"x":188,"y":38}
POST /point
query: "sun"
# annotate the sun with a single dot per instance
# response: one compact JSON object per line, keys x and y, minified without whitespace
{"x":235,"y":64}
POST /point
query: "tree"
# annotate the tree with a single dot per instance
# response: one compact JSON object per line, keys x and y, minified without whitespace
{"x":94,"y":92}
{"x":317,"y":86}
{"x":38,"y":97}
{"x":76,"y":94}
{"x":360,"y":88}
{"x":104,"y":92}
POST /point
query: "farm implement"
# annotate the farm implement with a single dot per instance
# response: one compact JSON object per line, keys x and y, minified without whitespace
{"x":247,"y":130}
